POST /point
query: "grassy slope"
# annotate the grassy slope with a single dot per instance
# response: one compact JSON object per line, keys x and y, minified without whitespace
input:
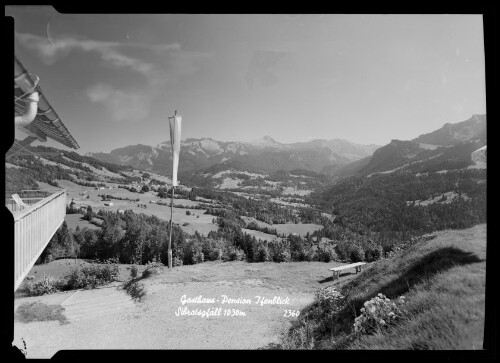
{"x":443,"y":280}
{"x":74,"y":220}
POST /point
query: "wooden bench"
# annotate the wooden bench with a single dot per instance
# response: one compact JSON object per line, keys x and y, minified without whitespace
{"x":336,"y":270}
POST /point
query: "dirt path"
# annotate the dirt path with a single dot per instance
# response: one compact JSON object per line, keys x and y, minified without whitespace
{"x":108,"y":318}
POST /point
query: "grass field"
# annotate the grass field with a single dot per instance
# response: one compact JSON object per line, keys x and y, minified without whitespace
{"x":300,"y":229}
{"x":260,"y":235}
{"x":74,"y":220}
{"x":261,"y":224}
{"x":288,"y":204}
{"x":197,"y":221}
{"x":292,"y":191}
{"x":230,"y":183}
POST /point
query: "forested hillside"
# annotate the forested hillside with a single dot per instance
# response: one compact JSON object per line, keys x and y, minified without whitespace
{"x":47,"y":164}
{"x":389,"y":203}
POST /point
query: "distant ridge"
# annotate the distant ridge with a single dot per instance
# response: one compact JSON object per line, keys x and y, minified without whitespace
{"x":447,"y":148}
{"x":452,"y":134}
{"x":265,"y":154}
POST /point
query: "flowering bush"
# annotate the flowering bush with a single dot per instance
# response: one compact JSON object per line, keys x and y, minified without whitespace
{"x":328,"y":296}
{"x":378,"y":313}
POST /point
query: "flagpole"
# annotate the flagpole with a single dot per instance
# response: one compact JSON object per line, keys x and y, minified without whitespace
{"x":175,"y":140}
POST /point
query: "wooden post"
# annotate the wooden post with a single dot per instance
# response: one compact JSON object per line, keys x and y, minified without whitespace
{"x":170,"y":238}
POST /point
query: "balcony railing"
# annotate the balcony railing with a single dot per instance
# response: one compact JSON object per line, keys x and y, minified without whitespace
{"x":29,"y":197}
{"x":34,"y":226}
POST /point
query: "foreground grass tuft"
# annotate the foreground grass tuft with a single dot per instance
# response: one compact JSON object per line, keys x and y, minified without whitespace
{"x":38,"y":311}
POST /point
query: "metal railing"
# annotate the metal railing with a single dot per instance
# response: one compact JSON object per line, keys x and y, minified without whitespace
{"x":34,"y":226}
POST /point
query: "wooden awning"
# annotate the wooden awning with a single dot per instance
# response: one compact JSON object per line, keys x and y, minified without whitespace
{"x":47,"y":122}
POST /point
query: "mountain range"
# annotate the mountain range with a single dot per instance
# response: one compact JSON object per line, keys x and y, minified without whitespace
{"x":449,"y":147}
{"x":263,"y":155}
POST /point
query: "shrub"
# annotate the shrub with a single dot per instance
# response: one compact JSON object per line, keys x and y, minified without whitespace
{"x":188,"y":213}
{"x":134,"y":271}
{"x":343,"y":250}
{"x":155,"y":263}
{"x":378,"y":313}
{"x":152,"y":270}
{"x":47,"y":285}
{"x":326,"y":254}
{"x":177,"y":262}
{"x":356,"y":254}
{"x":263,"y":254}
{"x":91,"y":276}
{"x":307,"y":254}
{"x":192,"y":253}
{"x":282,"y":255}
{"x":280,"y":251}
{"x":373,"y":253}
{"x":214,"y":249}
{"x":216,"y":254}
{"x":236,"y":254}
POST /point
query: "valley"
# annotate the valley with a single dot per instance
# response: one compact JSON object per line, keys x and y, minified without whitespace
{"x":235,"y":213}
{"x":258,"y":181}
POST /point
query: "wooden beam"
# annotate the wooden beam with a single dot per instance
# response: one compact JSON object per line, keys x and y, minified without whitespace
{"x":27,"y":141}
{"x":34,"y":131}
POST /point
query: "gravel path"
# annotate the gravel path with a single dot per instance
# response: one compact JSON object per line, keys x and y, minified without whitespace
{"x":108,"y":318}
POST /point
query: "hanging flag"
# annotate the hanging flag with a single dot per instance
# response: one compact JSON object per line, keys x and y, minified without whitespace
{"x":175,"y":139}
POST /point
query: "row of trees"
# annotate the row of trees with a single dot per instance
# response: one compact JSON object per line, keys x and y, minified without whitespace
{"x":137,"y":238}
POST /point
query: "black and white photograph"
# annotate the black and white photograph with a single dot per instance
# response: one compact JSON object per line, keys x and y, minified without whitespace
{"x":259,"y":181}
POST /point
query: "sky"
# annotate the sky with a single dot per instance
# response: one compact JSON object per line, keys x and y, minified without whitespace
{"x":115,"y":79}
